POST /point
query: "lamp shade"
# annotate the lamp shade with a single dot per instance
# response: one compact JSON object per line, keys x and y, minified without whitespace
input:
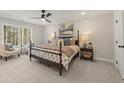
{"x":84,"y":38}
{"x":52,"y":36}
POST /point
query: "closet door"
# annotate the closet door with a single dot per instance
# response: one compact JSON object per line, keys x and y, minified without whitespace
{"x":116,"y":37}
{"x":121,"y":44}
{"x":119,"y":40}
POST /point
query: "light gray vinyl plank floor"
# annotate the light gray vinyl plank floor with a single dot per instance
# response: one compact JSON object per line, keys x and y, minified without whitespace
{"x":21,"y":70}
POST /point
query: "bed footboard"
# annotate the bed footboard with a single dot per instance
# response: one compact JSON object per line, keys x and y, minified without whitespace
{"x":59,"y":65}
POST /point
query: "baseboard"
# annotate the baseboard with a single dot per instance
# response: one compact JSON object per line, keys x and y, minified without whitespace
{"x":108,"y":60}
{"x":103,"y":59}
{"x":121,"y":72}
{"x":122,"y":75}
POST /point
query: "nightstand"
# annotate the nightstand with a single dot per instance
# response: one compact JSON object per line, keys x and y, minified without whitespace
{"x":86,"y":53}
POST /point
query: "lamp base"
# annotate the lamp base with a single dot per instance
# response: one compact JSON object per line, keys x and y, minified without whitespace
{"x":84,"y":45}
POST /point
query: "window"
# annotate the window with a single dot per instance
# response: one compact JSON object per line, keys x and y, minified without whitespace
{"x":16,"y":35}
{"x":11,"y":35}
{"x":25,"y":36}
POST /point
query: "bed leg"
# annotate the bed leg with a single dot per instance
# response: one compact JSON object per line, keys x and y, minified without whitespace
{"x":78,"y":54}
{"x":5,"y":58}
{"x":30,"y":54}
{"x":60,"y":70}
{"x":18,"y":55}
{"x":30,"y":57}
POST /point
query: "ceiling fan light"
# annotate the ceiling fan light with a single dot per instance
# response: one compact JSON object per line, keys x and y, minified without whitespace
{"x":43,"y":19}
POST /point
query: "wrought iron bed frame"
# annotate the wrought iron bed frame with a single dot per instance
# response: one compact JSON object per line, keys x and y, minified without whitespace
{"x":59,"y":65}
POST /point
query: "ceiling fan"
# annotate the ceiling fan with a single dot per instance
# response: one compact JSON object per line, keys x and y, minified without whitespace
{"x":43,"y":16}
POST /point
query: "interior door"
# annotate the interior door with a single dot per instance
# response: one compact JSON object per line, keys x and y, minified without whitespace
{"x":116,"y":38}
{"x":119,"y":41}
{"x":121,"y":44}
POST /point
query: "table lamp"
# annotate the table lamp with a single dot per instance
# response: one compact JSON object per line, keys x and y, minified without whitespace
{"x":84,"y":40}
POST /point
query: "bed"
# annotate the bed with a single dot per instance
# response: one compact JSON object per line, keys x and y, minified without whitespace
{"x":60,"y":56}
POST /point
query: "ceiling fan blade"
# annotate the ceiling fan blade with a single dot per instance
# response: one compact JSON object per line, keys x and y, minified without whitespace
{"x":48,"y":21}
{"x":35,"y":17}
{"x":48,"y":14}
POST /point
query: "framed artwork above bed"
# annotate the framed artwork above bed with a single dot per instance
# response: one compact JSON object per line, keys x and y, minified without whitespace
{"x":66,"y":30}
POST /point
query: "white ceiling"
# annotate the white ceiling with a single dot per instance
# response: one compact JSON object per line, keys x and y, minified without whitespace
{"x":58,"y":16}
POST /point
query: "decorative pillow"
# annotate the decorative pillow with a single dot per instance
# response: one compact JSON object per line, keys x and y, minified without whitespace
{"x":66,"y":42}
{"x":72,"y":41}
{"x":9,"y":47}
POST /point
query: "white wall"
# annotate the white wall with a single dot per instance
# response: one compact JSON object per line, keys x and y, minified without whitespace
{"x":101,"y":34}
{"x":100,"y":29}
{"x":36,"y":29}
{"x":48,"y":30}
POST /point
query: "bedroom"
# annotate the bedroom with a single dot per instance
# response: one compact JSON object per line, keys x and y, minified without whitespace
{"x":96,"y":29}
